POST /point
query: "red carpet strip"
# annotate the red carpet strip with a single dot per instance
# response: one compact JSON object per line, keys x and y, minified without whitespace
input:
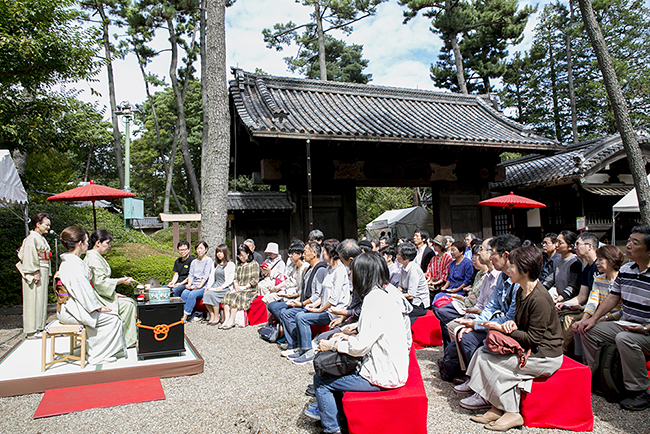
{"x":73,"y":399}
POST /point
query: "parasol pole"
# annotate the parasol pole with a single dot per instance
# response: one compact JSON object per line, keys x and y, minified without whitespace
{"x":94,"y":215}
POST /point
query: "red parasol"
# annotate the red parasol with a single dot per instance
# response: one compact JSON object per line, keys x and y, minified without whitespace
{"x":512,"y":201}
{"x":91,"y":192}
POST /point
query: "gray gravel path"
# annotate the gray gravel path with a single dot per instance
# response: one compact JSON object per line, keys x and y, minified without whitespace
{"x":247,"y":387}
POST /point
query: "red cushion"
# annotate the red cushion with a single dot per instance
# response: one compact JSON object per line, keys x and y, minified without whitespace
{"x":257,"y":312}
{"x":383,"y":412}
{"x":318,"y":329}
{"x":562,"y":400}
{"x":426,"y":331}
{"x":199,"y":307}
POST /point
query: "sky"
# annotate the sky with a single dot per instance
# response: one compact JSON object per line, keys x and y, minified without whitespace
{"x":399,"y":55}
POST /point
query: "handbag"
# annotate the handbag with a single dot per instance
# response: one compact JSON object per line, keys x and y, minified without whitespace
{"x":333,"y":364}
{"x":270,"y":333}
{"x":499,"y":343}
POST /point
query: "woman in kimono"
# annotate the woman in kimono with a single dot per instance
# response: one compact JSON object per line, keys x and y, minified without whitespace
{"x":34,"y":267}
{"x":105,"y":286}
{"x":497,"y":379}
{"x":103,"y":325}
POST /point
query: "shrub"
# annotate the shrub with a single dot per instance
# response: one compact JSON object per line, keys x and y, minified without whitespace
{"x":155,"y":261}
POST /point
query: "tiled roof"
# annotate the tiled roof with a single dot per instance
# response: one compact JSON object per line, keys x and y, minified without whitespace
{"x":259,"y":201}
{"x":575,"y":162}
{"x":281,"y":107}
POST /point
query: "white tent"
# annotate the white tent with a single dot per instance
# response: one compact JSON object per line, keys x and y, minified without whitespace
{"x":398,"y":223}
{"x":629,"y":203}
{"x":12,"y":191}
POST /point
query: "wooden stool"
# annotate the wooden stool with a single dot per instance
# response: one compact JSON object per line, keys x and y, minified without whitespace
{"x":77,"y":334}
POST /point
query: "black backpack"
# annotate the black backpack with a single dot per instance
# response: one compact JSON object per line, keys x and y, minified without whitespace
{"x":607,"y":380}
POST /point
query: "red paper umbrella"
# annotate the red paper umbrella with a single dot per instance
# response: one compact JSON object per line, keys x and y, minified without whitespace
{"x":91,"y":192}
{"x":512,"y":201}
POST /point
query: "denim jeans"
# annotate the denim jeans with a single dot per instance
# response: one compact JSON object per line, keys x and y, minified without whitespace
{"x":190,"y":296}
{"x":288,"y":320}
{"x":329,"y":397}
{"x":178,"y":290}
{"x":304,"y":321}
{"x":446,"y":314}
{"x":276,"y":308}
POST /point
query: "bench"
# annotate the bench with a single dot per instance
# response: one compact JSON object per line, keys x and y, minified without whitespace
{"x":426,"y":331}
{"x":402,"y":410}
{"x":562,"y":400}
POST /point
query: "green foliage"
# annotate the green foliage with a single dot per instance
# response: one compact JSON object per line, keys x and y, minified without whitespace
{"x":148,"y":176}
{"x":343,"y":62}
{"x":64,"y":215}
{"x":372,"y":201}
{"x":485,"y":29}
{"x":245,"y":183}
{"x":537,"y":81}
{"x":141,"y":263}
{"x":41,"y":45}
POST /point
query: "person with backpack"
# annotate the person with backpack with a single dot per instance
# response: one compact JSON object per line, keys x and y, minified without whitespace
{"x":631,"y":334}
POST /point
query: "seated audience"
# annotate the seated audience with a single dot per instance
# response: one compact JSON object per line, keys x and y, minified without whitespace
{"x":273,"y":269}
{"x":570,"y":310}
{"x":609,"y":261}
{"x":193,"y":287}
{"x":105,"y":341}
{"x":501,"y":308}
{"x":335,"y":295}
{"x":549,"y":247}
{"x":181,"y":265}
{"x":412,"y":282}
{"x":460,"y":304}
{"x":105,"y":286}
{"x":567,"y":268}
{"x":286,"y":311}
{"x":424,"y":252}
{"x":499,"y":379}
{"x":438,"y":269}
{"x":382,"y":337}
{"x":219,"y":284}
{"x":461,"y":271}
{"x":389,"y":253}
{"x":467,"y":251}
{"x":632,"y":337}
{"x":289,"y":286}
{"x":244,"y":287}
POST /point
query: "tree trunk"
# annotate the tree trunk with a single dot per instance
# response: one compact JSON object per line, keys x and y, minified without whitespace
{"x":458,"y":57}
{"x":182,"y":127}
{"x":630,"y":144}
{"x":321,"y":42}
{"x":554,"y":97}
{"x":569,"y":68}
{"x":215,"y":159}
{"x":168,"y":172}
{"x":117,"y":138}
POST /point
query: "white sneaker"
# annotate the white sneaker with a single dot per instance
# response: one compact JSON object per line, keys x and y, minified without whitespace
{"x":475,"y":402}
{"x":463,"y":388}
{"x":287,"y":353}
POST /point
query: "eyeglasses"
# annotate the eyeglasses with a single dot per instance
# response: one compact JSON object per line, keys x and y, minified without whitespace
{"x":493,"y":253}
{"x":582,"y":244}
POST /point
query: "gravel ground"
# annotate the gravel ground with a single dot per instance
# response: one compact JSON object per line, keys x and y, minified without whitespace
{"x":246,"y":387}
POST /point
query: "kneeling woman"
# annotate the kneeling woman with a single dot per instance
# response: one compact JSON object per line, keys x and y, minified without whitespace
{"x":103,"y":325}
{"x":382,"y":337}
{"x":100,"y":244}
{"x":496,"y":377}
